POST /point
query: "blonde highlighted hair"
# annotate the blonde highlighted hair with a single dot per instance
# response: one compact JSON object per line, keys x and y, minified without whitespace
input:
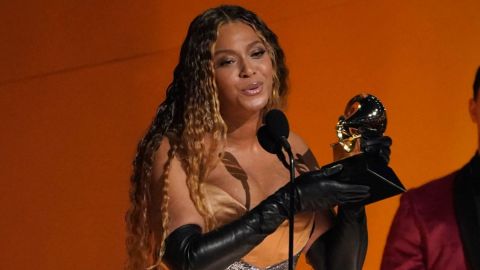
{"x":189,"y":112}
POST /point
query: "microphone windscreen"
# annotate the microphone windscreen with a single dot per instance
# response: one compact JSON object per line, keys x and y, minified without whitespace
{"x":266,"y":141}
{"x":277,"y":124}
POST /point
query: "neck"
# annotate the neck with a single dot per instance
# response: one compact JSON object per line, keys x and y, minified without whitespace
{"x":242,"y":131}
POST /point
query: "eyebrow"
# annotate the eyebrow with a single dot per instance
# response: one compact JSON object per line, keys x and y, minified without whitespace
{"x":232,"y":51}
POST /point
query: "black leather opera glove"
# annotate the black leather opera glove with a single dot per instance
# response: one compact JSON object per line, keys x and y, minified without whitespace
{"x":188,"y":248}
{"x":316,"y":190}
{"x":344,"y":246}
{"x":376,"y":145}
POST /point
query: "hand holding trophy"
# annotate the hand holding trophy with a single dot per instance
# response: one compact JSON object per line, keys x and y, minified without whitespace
{"x":365,"y":120}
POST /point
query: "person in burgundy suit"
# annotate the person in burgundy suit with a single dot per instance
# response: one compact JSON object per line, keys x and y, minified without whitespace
{"x":437,"y":224}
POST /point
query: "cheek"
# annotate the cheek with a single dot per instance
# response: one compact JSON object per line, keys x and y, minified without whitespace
{"x":223,"y":81}
{"x":268,"y":71}
{"x":220,"y":79}
{"x":225,"y":84}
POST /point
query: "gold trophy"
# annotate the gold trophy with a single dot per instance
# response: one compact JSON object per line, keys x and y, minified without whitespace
{"x":364,"y":116}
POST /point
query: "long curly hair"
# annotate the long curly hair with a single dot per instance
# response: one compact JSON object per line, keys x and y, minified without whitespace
{"x":190,"y":112}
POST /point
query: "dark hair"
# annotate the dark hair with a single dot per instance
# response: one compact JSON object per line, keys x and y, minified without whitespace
{"x":189,"y":112}
{"x":476,"y":84}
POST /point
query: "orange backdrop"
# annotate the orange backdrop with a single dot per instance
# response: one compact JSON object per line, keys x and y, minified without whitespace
{"x":80,"y":81}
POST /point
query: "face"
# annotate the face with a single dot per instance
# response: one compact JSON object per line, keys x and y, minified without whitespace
{"x":243,"y":70}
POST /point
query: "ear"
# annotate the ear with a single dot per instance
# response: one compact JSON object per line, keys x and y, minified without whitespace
{"x":473,"y":108}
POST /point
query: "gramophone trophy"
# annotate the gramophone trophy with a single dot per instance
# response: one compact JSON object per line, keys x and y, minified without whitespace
{"x":364,"y":116}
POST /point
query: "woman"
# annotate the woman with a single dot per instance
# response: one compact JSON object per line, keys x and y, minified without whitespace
{"x":204,"y":194}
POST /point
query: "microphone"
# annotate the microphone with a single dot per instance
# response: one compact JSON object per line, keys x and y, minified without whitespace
{"x":277,"y":125}
{"x":273,"y":137}
{"x":274,"y":134}
{"x":266,"y":141}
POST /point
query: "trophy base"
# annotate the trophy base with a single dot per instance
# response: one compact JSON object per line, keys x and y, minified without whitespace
{"x":339,"y":151}
{"x":372,"y":171}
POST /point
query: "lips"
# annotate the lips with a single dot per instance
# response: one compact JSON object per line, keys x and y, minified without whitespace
{"x":253,"y":89}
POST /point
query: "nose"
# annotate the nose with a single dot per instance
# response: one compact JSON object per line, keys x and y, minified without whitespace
{"x":247,"y":70}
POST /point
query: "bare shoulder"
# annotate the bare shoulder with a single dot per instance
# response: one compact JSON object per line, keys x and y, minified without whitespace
{"x":298,"y":143}
{"x":303,"y":155}
{"x":170,"y":180}
{"x":161,"y":157}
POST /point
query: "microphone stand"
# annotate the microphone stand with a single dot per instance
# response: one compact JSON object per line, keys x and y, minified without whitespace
{"x":273,"y":134}
{"x":291,"y":217}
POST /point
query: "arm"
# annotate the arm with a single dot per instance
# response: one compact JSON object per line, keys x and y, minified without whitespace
{"x":307,"y":162}
{"x":344,"y":246}
{"x":337,"y":242}
{"x":403,"y":250}
{"x":188,"y":248}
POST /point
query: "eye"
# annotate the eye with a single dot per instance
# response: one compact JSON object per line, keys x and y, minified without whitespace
{"x":225,"y":62}
{"x":258,"y":53}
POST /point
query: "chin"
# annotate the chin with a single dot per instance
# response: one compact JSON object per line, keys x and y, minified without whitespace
{"x":255,"y":106}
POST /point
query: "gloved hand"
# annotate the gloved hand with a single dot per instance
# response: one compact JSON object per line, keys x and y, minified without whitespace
{"x":376,"y":145}
{"x":316,"y":190}
{"x":187,"y":248}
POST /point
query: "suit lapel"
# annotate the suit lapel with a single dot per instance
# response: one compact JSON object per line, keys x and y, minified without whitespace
{"x":466,"y":198}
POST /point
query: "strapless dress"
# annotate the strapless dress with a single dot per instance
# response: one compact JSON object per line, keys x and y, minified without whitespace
{"x":272,"y":252}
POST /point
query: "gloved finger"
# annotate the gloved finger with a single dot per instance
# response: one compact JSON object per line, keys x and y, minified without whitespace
{"x":385,"y":154}
{"x":383,"y":140}
{"x":354,"y":195}
{"x":353,"y":192}
{"x":385,"y":151}
{"x":352,"y":187}
{"x":371,"y":149}
{"x":332,"y":170}
{"x":387,"y":140}
{"x":377,"y":149}
{"x":352,"y":199}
